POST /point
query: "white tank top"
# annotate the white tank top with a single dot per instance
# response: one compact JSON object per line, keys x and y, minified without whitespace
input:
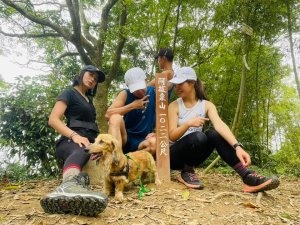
{"x":188,"y":113}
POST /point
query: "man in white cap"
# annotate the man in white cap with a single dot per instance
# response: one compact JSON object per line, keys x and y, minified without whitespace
{"x":132,"y":114}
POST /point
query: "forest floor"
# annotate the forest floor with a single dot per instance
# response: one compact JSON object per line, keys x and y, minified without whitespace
{"x":220,"y":202}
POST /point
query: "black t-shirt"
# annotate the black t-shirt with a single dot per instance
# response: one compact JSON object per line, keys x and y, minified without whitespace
{"x":77,"y":106}
{"x":80,"y":114}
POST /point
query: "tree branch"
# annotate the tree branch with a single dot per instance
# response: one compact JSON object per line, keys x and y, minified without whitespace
{"x":122,"y":40}
{"x":103,"y":27}
{"x":77,"y":39}
{"x":62,"y":31}
{"x":212,"y":51}
{"x":74,"y":13}
{"x":164,"y":25}
{"x":25,"y":35}
{"x":176,"y":25}
{"x":86,"y":27}
{"x":49,"y":3}
{"x":30,"y":61}
{"x":160,"y":37}
{"x":66,"y":54}
{"x":88,"y":41}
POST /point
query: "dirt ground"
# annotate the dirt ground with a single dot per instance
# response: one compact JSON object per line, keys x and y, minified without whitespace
{"x":221,"y":202}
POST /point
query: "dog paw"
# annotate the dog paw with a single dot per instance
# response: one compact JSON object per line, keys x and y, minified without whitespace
{"x":157,"y":182}
{"x":119,"y":197}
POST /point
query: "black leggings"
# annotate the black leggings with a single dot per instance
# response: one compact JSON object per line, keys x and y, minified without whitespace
{"x":71,"y":153}
{"x":195,"y":148}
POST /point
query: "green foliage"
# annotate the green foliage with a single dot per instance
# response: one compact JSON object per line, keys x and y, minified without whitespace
{"x":226,"y":170}
{"x":24,"y":115}
{"x":287,"y":161}
{"x":25,"y":108}
{"x":16,"y":172}
{"x":286,"y":113}
{"x":2,"y":85}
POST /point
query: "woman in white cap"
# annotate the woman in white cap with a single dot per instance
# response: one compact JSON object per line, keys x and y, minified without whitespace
{"x":190,"y":145}
{"x":73,"y":196}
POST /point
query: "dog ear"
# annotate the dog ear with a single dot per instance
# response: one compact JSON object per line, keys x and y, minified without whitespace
{"x":116,"y":159}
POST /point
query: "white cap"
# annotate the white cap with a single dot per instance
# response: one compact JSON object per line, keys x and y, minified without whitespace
{"x":135,"y":79}
{"x":183,"y":74}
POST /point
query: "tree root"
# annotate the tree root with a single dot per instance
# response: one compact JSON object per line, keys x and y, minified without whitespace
{"x":225,"y":194}
{"x":258,"y":198}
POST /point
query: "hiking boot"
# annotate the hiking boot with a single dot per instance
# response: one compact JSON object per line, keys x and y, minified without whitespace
{"x":73,"y":196}
{"x":190,"y":179}
{"x":254,"y":182}
{"x":84,"y":179}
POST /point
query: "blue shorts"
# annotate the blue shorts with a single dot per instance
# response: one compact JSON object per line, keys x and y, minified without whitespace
{"x":132,"y":143}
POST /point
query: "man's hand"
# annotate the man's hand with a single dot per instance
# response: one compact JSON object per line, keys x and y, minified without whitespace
{"x":150,"y":135}
{"x":140,"y":103}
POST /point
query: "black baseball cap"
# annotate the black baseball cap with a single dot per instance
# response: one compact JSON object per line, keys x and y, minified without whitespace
{"x":101,"y":75}
{"x":167,"y":52}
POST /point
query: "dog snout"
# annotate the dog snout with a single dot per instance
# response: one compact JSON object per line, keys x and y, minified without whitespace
{"x":92,"y":148}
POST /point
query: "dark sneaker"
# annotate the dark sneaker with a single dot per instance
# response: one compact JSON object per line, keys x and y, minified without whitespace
{"x":254,"y":182}
{"x":73,"y":196}
{"x":190,"y":180}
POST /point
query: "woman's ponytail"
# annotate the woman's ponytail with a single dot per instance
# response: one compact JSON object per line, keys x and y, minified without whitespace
{"x":200,"y":90}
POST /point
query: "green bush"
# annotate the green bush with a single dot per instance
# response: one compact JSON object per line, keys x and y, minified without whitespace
{"x":15,"y":172}
{"x":287,"y":162}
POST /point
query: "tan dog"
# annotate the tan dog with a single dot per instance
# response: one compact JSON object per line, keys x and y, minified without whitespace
{"x":119,"y":170}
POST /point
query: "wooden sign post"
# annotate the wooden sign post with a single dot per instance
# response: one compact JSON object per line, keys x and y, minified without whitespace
{"x":162,"y":135}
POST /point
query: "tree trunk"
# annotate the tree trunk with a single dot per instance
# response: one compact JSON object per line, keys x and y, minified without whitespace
{"x":176,"y":25}
{"x":240,"y":105}
{"x":228,"y":85}
{"x":257,"y":101}
{"x":100,"y":103}
{"x":159,"y":38}
{"x":268,"y":110}
{"x":101,"y":99}
{"x":289,"y":12}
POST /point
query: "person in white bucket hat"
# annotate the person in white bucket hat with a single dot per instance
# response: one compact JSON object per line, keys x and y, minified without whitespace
{"x":191,"y":145}
{"x":132,"y":114}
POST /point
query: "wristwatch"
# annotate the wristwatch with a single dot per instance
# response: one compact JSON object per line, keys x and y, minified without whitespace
{"x":237,"y":144}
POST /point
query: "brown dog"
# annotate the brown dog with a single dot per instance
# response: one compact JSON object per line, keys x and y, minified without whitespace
{"x":119,"y":169}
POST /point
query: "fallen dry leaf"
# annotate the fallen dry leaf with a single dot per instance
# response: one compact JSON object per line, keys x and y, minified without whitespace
{"x":186,"y":195}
